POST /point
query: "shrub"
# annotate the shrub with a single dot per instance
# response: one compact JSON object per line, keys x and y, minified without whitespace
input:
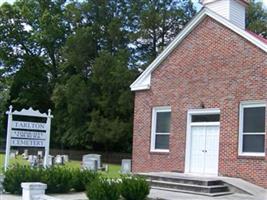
{"x":17,"y":174}
{"x":134,"y":188}
{"x":80,"y":179}
{"x":103,"y":189}
{"x":58,"y":179}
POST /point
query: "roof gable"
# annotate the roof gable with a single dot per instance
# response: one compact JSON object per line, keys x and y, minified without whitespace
{"x":143,"y":81}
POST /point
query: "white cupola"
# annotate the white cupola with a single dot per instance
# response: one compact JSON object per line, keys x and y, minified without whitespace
{"x":233,"y":10}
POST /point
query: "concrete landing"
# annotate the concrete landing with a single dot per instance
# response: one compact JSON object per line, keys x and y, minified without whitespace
{"x":240,"y":187}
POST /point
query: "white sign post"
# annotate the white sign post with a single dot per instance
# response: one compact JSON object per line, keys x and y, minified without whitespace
{"x":28,"y":134}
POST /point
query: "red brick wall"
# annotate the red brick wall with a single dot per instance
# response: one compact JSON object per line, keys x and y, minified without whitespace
{"x":215,"y":66}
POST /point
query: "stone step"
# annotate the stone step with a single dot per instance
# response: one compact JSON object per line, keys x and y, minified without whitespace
{"x":188,"y":184}
{"x":192,"y":192}
{"x":185,"y":180}
{"x":189,"y":187}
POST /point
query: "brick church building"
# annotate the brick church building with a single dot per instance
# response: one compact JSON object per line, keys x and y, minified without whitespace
{"x":200,"y":107}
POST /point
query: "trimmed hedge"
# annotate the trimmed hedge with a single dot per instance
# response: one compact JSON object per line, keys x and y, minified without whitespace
{"x":134,"y":188}
{"x":80,"y":179}
{"x":103,"y":189}
{"x":62,"y":180}
{"x":127,"y":188}
{"x":58,"y":179}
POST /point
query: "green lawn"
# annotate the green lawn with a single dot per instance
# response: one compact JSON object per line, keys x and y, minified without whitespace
{"x":112,"y":172}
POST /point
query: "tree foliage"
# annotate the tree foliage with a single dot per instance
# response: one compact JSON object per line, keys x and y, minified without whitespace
{"x":158,"y":23}
{"x":79,"y":58}
{"x":257,"y":18}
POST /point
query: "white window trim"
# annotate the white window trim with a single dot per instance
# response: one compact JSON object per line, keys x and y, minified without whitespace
{"x":248,"y":104}
{"x":153,"y":128}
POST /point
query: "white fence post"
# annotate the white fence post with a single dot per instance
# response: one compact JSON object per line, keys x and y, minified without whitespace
{"x":32,"y":191}
{"x":35,"y":191}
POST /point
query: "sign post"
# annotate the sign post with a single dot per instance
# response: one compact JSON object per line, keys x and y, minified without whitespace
{"x":8,"y":139}
{"x":48,"y":123}
{"x":26,"y":133}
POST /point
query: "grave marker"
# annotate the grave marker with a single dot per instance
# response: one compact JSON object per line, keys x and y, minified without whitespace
{"x":96,"y":157}
{"x":126,"y":166}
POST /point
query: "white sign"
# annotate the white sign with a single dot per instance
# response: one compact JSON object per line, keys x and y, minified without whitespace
{"x":27,"y":143}
{"x":28,"y":134}
{"x":28,"y":125}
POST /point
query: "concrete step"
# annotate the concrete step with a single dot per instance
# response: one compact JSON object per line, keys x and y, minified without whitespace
{"x":192,"y":192}
{"x":190,"y":187}
{"x":195,"y":185}
{"x":185,"y":180}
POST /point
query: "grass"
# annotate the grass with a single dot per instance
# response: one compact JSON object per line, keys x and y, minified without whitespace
{"x":113,"y":171}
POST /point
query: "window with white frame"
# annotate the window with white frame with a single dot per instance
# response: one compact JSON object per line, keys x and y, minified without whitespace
{"x":252,"y":128}
{"x":161,"y":119}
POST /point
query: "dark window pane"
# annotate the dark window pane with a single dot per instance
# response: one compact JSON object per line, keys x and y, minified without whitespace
{"x":162,"y":142}
{"x":206,"y":118}
{"x":254,"y":120}
{"x":163,"y":122}
{"x":253,"y":143}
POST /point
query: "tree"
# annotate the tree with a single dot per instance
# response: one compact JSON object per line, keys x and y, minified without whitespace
{"x":31,"y":35}
{"x":159,"y":22}
{"x":4,"y":96}
{"x":30,"y":86}
{"x":111,"y":118}
{"x":71,"y":112}
{"x":257,"y":18}
{"x":80,"y":57}
{"x":101,"y":36}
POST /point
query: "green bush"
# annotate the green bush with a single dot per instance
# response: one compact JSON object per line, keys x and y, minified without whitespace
{"x":103,"y":189}
{"x":58,"y":179}
{"x":17,"y":174}
{"x":134,"y":188}
{"x":80,"y":179}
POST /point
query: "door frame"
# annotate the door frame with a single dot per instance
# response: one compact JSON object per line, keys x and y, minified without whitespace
{"x":190,"y":113}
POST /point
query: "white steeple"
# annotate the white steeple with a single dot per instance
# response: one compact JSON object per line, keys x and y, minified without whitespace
{"x":233,"y":10}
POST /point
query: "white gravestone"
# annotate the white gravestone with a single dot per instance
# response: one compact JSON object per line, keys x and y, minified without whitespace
{"x":12,"y":154}
{"x":40,"y":154}
{"x":32,"y":160}
{"x":126,"y":166}
{"x":25,"y":154}
{"x":59,"y":160}
{"x":90,"y":164}
{"x":65,"y":158}
{"x":50,"y":160}
{"x":94,"y":157}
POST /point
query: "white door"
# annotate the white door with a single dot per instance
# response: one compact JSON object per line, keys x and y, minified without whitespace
{"x":204,"y":149}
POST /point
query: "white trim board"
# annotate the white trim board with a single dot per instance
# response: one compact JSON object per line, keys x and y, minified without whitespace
{"x":144,"y":80}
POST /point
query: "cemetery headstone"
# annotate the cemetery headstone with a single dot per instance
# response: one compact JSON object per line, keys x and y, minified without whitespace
{"x":65,"y":158}
{"x":126,"y":166}
{"x":12,"y":154}
{"x":59,"y":160}
{"x":94,"y":157}
{"x":32,"y":160}
{"x":40,"y":153}
{"x":25,"y":154}
{"x":90,"y":164}
{"x":50,"y":161}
